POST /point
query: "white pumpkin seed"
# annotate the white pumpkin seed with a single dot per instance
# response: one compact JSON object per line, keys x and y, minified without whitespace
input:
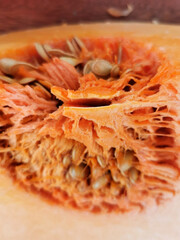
{"x":67,"y":160}
{"x":11,"y":66}
{"x":68,"y":177}
{"x":125,"y":163}
{"x":115,"y":71}
{"x":43,"y":89}
{"x":42,"y":52}
{"x":101,"y":160}
{"x":133,"y":175}
{"x":101,"y":182}
{"x":115,"y":189}
{"x":110,"y":79}
{"x":116,"y":12}
{"x":82,"y":187}
{"x":7,"y":79}
{"x":73,"y":61}
{"x":26,"y":80}
{"x":126,"y":71}
{"x":80,"y":43}
{"x":71,"y":47}
{"x":57,"y":52}
{"x":88,"y":67}
{"x":79,"y":172}
{"x":76,"y":46}
{"x":77,"y":153}
{"x":101,"y":67}
{"x":116,"y":175}
{"x":96,"y":172}
{"x":44,"y":83}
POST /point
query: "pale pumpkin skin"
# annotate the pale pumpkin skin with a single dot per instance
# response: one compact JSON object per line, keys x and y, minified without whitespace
{"x":26,"y":216}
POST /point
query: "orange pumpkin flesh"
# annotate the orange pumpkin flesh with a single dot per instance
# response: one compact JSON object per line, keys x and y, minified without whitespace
{"x":167,"y":169}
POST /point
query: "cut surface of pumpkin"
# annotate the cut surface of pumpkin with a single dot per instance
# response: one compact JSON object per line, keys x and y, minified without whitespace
{"x":92,"y":122}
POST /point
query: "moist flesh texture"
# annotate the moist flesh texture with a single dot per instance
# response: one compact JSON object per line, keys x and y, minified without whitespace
{"x":94,"y":143}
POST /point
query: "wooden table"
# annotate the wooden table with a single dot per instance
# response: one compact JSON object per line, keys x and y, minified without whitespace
{"x":24,"y":14}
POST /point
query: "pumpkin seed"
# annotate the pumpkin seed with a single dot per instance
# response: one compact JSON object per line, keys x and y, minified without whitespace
{"x":96,"y":171}
{"x":125,"y":163}
{"x":79,"y":43}
{"x":110,"y":79}
{"x":78,"y":152}
{"x":115,"y":12}
{"x":11,"y":66}
{"x":73,"y":61}
{"x":42,"y":52}
{"x":67,"y":160}
{"x":44,"y":83}
{"x":133,"y":175}
{"x":56,"y":52}
{"x":71,"y":47}
{"x":27,"y":80}
{"x":155,"y":21}
{"x":101,"y":67}
{"x":44,"y":90}
{"x":79,"y":172}
{"x":115,"y":71}
{"x":116,"y":176}
{"x":115,"y":189}
{"x":82,"y":187}
{"x":101,"y":160}
{"x":126,"y":71}
{"x":68,"y":177}
{"x":101,"y":182}
{"x":76,"y":46}
{"x":7,"y":79}
{"x":88,"y":67}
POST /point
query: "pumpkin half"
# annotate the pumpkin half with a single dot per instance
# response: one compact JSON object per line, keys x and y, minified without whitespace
{"x":90,"y":114}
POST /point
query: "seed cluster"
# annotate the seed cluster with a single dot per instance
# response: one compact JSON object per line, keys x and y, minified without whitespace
{"x":100,"y":67}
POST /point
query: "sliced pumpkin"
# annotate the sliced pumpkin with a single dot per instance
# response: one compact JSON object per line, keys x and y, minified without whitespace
{"x":92,"y":121}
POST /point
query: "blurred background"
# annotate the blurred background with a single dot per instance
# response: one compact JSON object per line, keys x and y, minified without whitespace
{"x":24,"y":14}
